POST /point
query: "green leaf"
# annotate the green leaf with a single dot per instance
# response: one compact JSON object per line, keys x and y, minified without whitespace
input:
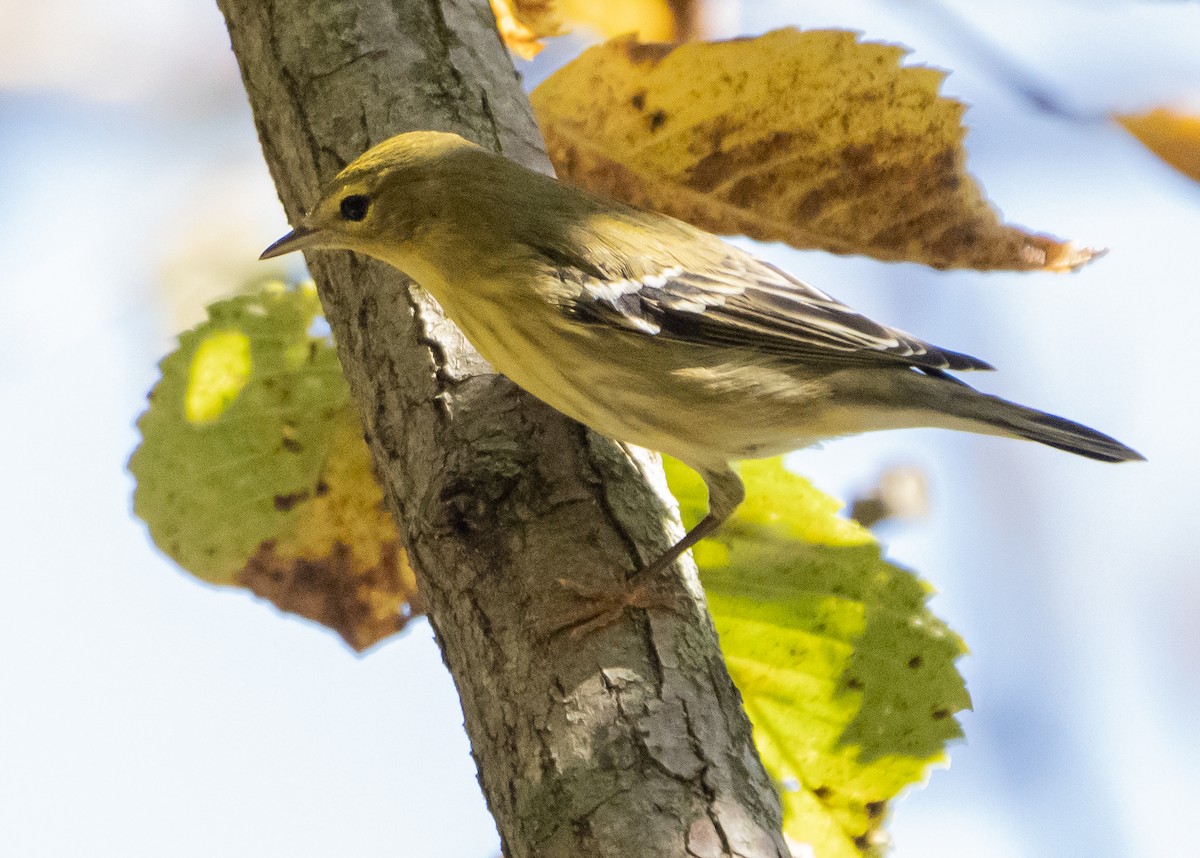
{"x":848,"y":679}
{"x":252,"y":470}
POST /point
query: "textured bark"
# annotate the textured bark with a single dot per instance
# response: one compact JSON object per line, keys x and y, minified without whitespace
{"x":632,"y":742}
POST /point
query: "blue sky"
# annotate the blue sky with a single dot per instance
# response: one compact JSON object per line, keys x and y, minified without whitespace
{"x":146,"y":714}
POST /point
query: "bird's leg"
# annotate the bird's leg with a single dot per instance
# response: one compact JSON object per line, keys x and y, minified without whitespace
{"x":606,"y":604}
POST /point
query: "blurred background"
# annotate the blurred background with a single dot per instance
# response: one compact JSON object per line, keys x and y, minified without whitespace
{"x":144,"y":714}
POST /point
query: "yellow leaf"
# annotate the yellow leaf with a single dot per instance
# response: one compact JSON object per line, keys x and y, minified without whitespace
{"x":524,"y":23}
{"x":649,"y":20}
{"x":811,"y":138}
{"x":1174,"y":137}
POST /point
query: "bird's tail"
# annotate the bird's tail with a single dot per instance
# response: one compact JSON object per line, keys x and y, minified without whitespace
{"x":1001,"y":417}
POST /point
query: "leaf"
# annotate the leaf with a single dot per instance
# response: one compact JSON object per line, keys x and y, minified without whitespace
{"x":811,"y":138}
{"x":252,"y":470}
{"x":1172,"y":136}
{"x":648,"y":20}
{"x":848,"y":679}
{"x":524,"y":23}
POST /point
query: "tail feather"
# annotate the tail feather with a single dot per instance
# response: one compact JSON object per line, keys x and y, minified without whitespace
{"x":1009,"y":418}
{"x":1068,"y":435}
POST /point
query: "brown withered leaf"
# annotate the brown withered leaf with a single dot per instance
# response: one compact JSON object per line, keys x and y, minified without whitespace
{"x":810,"y":138}
{"x":1172,"y":136}
{"x":340,"y":563}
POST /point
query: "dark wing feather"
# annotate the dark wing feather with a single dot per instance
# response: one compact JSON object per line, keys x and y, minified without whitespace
{"x":746,"y":303}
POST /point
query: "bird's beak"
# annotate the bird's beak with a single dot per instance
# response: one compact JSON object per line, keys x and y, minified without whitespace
{"x":298,"y":239}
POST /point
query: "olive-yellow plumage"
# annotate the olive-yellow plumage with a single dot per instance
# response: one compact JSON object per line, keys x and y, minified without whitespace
{"x":644,"y":328}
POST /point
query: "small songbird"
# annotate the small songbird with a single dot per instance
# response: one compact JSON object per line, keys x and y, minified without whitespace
{"x":644,"y":328}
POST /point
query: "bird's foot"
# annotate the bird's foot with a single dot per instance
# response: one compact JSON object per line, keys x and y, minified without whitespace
{"x":605,"y":604}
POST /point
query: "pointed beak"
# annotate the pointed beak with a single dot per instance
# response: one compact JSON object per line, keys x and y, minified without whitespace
{"x":298,"y":239}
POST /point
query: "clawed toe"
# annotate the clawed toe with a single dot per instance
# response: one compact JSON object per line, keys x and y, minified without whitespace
{"x":605,"y":605}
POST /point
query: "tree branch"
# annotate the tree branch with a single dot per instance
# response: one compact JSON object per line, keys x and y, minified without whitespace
{"x":633,"y":742}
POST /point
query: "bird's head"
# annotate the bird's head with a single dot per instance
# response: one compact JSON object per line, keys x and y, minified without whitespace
{"x":389,"y":200}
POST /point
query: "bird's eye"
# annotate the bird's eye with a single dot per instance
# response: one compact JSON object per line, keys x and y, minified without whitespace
{"x":354,"y":207}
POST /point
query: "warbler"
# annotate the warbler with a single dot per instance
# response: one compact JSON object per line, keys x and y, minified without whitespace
{"x":643,"y":327}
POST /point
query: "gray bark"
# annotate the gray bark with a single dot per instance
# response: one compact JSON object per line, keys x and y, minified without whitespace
{"x":632,"y":742}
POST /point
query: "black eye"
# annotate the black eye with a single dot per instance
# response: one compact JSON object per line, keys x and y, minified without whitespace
{"x":354,"y":207}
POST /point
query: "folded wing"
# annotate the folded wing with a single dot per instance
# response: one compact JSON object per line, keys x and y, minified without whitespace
{"x":742,"y":302}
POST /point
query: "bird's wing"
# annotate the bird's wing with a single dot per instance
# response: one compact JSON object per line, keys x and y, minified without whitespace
{"x":742,"y":302}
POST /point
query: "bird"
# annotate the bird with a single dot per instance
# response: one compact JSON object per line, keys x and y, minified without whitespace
{"x":647,"y":329}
